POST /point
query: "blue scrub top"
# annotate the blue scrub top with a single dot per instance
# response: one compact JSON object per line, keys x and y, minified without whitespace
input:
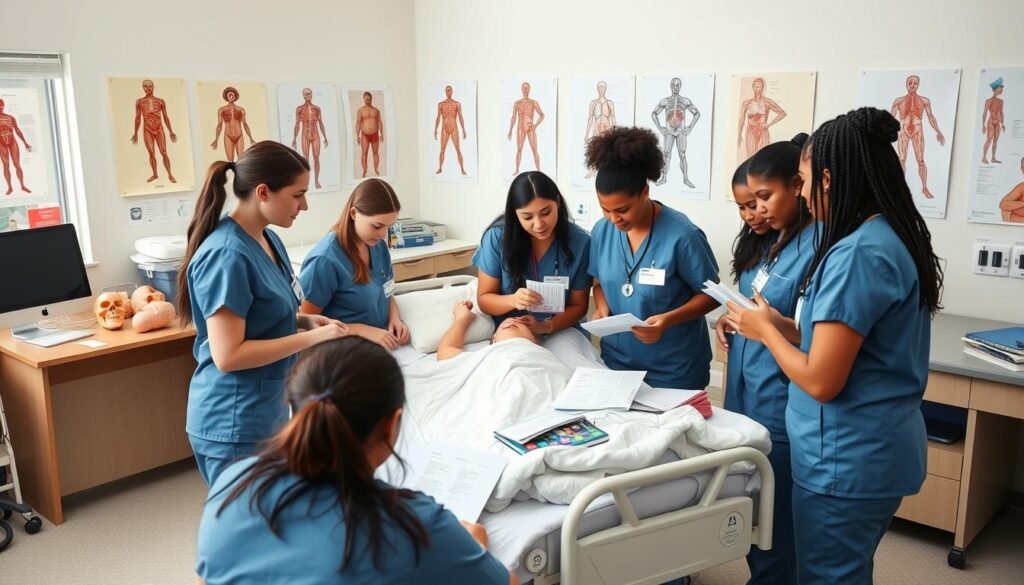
{"x":756,"y":385}
{"x":328,"y":280}
{"x":231,"y":270}
{"x":868,"y":442}
{"x":554,"y":263}
{"x":237,"y":546}
{"x":682,"y":357}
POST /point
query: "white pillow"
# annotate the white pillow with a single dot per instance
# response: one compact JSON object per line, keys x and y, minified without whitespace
{"x":428,"y":315}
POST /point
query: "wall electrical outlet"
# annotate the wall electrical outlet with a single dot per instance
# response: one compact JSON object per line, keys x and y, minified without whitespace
{"x":1017,"y":261}
{"x":992,"y":258}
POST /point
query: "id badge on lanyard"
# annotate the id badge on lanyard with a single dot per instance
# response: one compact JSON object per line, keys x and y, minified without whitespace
{"x":760,"y":280}
{"x":297,"y":289}
{"x":799,"y":309}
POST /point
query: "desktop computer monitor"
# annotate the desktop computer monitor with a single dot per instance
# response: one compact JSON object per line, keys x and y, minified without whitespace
{"x":41,"y":267}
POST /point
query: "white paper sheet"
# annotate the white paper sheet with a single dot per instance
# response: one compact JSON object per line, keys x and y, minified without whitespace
{"x":553,"y":294}
{"x":460,"y":479}
{"x":722,"y":293}
{"x":533,"y":426}
{"x":663,"y":399}
{"x":615,"y":324}
{"x":600,"y":389}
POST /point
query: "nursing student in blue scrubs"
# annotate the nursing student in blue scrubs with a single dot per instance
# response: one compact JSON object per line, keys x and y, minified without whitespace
{"x":649,"y":260}
{"x":857,"y":351}
{"x":533,"y":240}
{"x":307,"y":508}
{"x":237,"y":286}
{"x":348,"y":275}
{"x":771,"y":256}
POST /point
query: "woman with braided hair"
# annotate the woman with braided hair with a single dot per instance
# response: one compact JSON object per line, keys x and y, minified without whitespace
{"x":857,"y":351}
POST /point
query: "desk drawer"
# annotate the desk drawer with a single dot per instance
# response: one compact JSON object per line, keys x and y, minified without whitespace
{"x":413,"y":269}
{"x":453,"y":261}
{"x":1002,"y":399}
{"x":948,"y":389}
{"x":946,"y":460}
{"x":935,"y":505}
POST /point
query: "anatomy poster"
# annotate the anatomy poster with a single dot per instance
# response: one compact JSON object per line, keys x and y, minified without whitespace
{"x":924,"y":102}
{"x":450,"y":113}
{"x":596,"y":104}
{"x":678,"y":109}
{"x":21,"y":145}
{"x":996,"y":193}
{"x":308,"y":118}
{"x":766,"y":108}
{"x":370,"y":122}
{"x":529,"y":109}
{"x":152,"y":139}
{"x":232,"y":117}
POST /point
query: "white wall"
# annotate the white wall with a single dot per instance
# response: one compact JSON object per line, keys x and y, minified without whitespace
{"x":486,"y":41}
{"x":318,"y":41}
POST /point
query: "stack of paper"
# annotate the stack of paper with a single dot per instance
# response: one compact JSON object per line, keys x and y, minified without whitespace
{"x":553,"y":294}
{"x":1002,"y":347}
{"x":615,"y":324}
{"x":722,"y":293}
{"x":600,"y":389}
{"x":551,"y":430}
{"x":659,"y":400}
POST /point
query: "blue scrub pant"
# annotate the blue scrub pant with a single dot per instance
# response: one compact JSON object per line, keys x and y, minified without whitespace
{"x":778,"y":565}
{"x":213,"y":456}
{"x":836,"y":538}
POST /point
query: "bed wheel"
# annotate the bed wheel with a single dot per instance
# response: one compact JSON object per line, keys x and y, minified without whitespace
{"x":957,"y":558}
{"x":34,"y":525}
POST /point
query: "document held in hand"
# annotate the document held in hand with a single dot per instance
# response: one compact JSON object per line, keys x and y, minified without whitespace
{"x":722,"y":293}
{"x":460,"y":479}
{"x":553,"y":294}
{"x":615,"y":324}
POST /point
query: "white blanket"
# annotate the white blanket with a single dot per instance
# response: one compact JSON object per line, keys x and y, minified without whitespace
{"x":463,"y":400}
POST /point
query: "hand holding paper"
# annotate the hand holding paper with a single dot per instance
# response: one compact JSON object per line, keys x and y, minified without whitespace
{"x":615,"y":324}
{"x":552,"y":293}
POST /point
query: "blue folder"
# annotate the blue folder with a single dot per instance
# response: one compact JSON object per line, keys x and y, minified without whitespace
{"x":1008,"y":339}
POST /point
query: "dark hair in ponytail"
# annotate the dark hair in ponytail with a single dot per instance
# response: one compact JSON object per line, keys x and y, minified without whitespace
{"x":625,"y":159}
{"x":341,"y":391}
{"x":269,"y":163}
{"x":516,"y":250}
{"x":780,"y":161}
{"x":748,"y":248}
{"x":867,"y":179}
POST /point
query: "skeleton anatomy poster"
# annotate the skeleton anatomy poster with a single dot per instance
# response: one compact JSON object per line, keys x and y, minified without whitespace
{"x":529,"y":109}
{"x":308,"y":114}
{"x":370,"y":120}
{"x":450,"y":113}
{"x":232,"y":117}
{"x":152,"y":139}
{"x":996,"y":194}
{"x":597,"y":104}
{"x":766,"y":108}
{"x":678,"y":109}
{"x":924,"y":102}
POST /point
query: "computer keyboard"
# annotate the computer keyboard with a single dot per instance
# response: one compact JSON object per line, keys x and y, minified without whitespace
{"x":59,"y":337}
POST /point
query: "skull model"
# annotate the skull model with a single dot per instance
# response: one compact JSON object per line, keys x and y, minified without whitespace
{"x":109,"y":310}
{"x":145,"y":295}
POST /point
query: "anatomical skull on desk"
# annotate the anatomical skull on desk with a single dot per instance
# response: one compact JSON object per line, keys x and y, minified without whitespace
{"x":145,"y":295}
{"x":109,"y":309}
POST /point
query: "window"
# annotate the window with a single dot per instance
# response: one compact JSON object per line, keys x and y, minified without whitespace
{"x":41,"y":179}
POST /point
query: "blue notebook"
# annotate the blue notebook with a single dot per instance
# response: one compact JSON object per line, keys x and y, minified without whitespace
{"x":1008,"y":339}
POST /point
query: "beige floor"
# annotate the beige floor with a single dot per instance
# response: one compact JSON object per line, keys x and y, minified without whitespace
{"x":142,"y":532}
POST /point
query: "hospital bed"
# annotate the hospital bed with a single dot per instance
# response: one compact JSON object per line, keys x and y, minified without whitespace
{"x":648,"y":526}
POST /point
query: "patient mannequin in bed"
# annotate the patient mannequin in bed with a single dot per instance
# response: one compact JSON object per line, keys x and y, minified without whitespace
{"x":454,"y":340}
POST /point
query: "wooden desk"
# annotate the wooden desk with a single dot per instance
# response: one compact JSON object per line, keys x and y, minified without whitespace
{"x":81,"y":417}
{"x":969,"y":481}
{"x":422,"y":262}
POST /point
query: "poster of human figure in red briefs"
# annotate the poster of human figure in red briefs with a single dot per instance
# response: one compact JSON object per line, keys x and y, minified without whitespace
{"x":152,"y":137}
{"x":996,"y":193}
{"x":370,"y":129}
{"x":21,"y":148}
{"x":924,"y":103}
{"x":308,"y":118}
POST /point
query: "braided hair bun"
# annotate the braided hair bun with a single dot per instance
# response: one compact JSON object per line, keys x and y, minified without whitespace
{"x":875,"y":123}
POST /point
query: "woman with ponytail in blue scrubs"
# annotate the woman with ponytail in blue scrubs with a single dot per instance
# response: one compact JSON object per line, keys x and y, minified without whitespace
{"x":863,"y":325}
{"x":771,"y":257}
